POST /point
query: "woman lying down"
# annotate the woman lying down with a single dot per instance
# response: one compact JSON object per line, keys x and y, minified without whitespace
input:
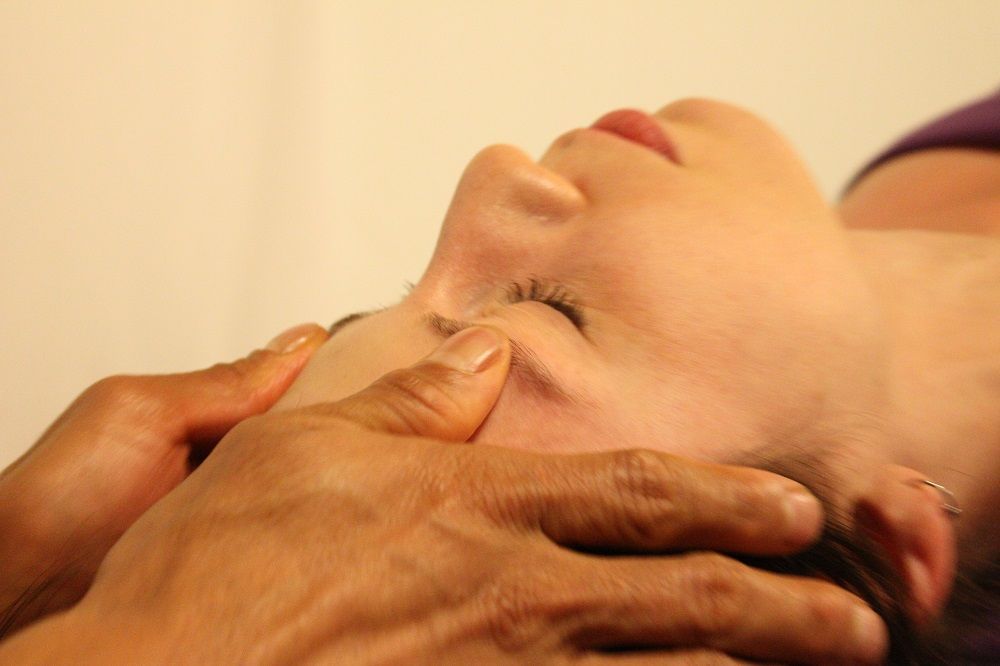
{"x":668,"y":282}
{"x":676,"y":281}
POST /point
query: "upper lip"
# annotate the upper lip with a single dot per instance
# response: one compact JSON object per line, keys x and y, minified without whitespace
{"x":638,"y":127}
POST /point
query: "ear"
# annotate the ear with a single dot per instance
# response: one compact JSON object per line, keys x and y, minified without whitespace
{"x":905,"y":517}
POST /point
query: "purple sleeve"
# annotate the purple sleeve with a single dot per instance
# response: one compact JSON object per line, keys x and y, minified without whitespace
{"x":976,"y":125}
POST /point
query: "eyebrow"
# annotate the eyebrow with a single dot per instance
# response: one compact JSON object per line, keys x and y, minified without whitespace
{"x":336,"y":326}
{"x":523,"y":360}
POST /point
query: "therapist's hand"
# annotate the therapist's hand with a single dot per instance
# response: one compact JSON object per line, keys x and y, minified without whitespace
{"x":120,"y":447}
{"x":333,"y":534}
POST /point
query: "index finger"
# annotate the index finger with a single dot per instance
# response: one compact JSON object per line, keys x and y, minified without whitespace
{"x":646,"y":501}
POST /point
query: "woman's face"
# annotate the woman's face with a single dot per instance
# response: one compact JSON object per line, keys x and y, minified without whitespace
{"x":700,"y":299}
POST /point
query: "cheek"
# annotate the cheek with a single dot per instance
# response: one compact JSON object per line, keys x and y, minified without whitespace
{"x":524,"y":420}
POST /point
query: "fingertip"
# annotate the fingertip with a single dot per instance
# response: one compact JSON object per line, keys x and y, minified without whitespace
{"x":473,"y":350}
{"x":281,"y":361}
{"x":298,"y":337}
{"x":472,"y":367}
{"x":870,"y":637}
{"x":255,"y":382}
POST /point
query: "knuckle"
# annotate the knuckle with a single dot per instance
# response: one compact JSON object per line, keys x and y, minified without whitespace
{"x":229,"y":375}
{"x":643,"y":483}
{"x":511,"y":615}
{"x":501,"y":503}
{"x":256,"y":442}
{"x":120,"y":394}
{"x":640,"y":473}
{"x":521,"y":611}
{"x":414,"y":400}
{"x":465,"y":481}
{"x":497,"y":487}
{"x":828,"y":609}
{"x":445,"y":483}
{"x":718,"y":592}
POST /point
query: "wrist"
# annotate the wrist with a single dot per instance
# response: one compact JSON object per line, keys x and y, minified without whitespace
{"x":38,"y":577}
{"x":77,"y":637}
{"x":22,"y":554}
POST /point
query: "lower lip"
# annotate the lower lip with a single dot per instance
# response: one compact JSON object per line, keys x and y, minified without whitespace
{"x":638,"y":127}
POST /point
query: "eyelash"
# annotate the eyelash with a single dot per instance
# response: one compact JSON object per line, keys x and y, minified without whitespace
{"x":553,"y":295}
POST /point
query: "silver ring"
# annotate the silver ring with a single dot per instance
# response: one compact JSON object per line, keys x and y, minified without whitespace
{"x":950,"y":503}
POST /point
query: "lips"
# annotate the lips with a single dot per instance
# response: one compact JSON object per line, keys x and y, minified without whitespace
{"x":638,"y":127}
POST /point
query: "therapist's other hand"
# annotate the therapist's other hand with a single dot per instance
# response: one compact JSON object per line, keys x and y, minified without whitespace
{"x":120,"y":447}
{"x":333,"y":534}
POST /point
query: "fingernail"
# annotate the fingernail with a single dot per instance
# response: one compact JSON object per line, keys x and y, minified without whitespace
{"x":471,"y":350}
{"x":803,"y":515}
{"x":870,"y":637}
{"x":291,"y":339}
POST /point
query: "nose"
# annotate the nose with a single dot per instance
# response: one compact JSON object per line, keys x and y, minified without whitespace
{"x":508,"y":214}
{"x":505,"y":183}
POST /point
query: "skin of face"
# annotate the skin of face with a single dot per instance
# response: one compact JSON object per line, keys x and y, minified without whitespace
{"x":723,"y":311}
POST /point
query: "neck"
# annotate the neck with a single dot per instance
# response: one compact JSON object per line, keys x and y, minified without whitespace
{"x":940,"y":293}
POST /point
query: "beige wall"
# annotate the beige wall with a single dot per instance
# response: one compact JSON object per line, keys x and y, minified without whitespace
{"x":180,"y":180}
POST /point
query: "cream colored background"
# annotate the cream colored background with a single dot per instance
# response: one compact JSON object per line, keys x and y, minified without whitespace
{"x":181,"y":180}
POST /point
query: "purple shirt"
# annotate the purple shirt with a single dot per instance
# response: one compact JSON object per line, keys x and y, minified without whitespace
{"x":976,"y":125}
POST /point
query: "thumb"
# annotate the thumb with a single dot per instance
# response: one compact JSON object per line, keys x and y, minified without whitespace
{"x":446,"y":395}
{"x":206,"y":404}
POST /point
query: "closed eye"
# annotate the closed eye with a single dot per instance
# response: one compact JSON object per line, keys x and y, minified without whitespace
{"x":551,"y":294}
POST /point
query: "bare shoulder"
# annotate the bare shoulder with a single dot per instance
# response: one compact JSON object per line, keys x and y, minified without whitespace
{"x":941,"y":189}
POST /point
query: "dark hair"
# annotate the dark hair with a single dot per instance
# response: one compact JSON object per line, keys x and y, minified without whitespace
{"x":849,"y":560}
{"x":965,"y":633}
